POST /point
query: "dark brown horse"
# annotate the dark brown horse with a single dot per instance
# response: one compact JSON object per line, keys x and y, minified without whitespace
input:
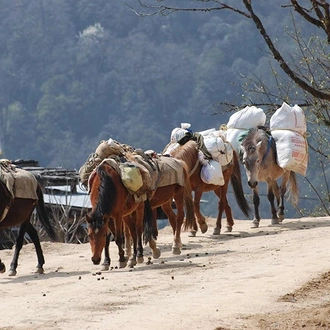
{"x":231,"y":173}
{"x":17,"y":212}
{"x":2,"y":267}
{"x":113,"y":206}
{"x":259,"y":158}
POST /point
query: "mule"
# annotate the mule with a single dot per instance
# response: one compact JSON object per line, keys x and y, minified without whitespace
{"x":188,"y":152}
{"x":17,"y":212}
{"x":259,"y":158}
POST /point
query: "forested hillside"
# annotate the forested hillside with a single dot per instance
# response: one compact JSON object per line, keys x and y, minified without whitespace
{"x":76,"y":72}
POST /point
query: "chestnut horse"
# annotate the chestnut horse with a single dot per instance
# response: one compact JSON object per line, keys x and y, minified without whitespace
{"x":112,"y":205}
{"x":188,"y":152}
{"x":259,"y":158}
{"x":17,"y":212}
{"x":114,"y":208}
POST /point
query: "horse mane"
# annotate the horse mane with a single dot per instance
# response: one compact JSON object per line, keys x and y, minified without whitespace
{"x":106,"y":198}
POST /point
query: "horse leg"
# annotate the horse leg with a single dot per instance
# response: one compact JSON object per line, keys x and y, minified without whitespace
{"x":223,"y":205}
{"x":106,"y":262}
{"x":174,"y":220}
{"x":280,"y":211}
{"x":119,"y":241}
{"x":200,"y":218}
{"x":271,"y":199}
{"x":130,"y":226}
{"x":152,"y":243}
{"x":127,"y":243}
{"x":2,"y":267}
{"x":256,"y":203}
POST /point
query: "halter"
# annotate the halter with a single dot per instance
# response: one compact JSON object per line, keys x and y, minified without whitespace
{"x":270,"y":140}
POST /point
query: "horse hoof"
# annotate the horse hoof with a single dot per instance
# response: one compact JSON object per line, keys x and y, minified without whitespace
{"x":122,"y":264}
{"x":2,"y":268}
{"x":131,"y":263}
{"x":192,"y":233}
{"x":39,"y":270}
{"x":203,"y":227}
{"x":229,"y":229}
{"x":140,"y":260}
{"x":156,"y":253}
{"x":216,"y":231}
{"x":105,"y":267}
{"x":12,"y":272}
{"x":255,"y":224}
{"x":275,"y":221}
{"x":176,"y":251}
{"x":280,"y":217}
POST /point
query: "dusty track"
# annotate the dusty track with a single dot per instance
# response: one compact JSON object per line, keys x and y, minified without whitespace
{"x":274,"y":277}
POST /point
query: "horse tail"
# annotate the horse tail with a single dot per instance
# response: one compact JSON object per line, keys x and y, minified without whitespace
{"x":190,"y":221}
{"x":148,"y":230}
{"x":294,"y":191}
{"x":236,"y":182}
{"x":43,"y":216}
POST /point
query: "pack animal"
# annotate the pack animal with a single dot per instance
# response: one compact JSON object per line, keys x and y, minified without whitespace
{"x":259,"y":159}
{"x":17,"y":211}
{"x":166,"y":190}
{"x":188,"y":152}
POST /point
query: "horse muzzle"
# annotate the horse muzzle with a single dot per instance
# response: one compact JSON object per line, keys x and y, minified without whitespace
{"x":252,"y":184}
{"x":96,"y":261}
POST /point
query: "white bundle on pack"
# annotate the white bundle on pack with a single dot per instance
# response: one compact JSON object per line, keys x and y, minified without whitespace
{"x":288,"y":128}
{"x":220,"y":149}
{"x":179,"y":132}
{"x":241,"y":121}
{"x":211,"y":173}
{"x":207,"y":131}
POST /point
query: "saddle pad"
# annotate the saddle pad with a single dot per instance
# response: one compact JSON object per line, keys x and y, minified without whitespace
{"x":20,"y":183}
{"x":171,"y":171}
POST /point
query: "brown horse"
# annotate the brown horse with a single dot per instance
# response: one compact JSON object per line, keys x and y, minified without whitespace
{"x":104,"y":194}
{"x":231,"y":173}
{"x":17,"y":212}
{"x":112,"y":208}
{"x":259,"y":158}
{"x":164,"y":196}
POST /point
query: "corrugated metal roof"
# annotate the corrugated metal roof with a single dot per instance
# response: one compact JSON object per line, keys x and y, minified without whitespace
{"x":62,"y":195}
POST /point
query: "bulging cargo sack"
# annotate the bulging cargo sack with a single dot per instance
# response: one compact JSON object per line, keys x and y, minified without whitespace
{"x":241,"y":121}
{"x":211,"y":173}
{"x":85,"y":170}
{"x":220,"y":149}
{"x":288,"y":128}
{"x":131,"y":176}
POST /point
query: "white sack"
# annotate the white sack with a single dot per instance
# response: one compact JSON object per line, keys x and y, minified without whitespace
{"x":247,"y":118}
{"x":292,"y":152}
{"x":211,"y":173}
{"x":241,"y":121}
{"x":291,"y":118}
{"x":220,"y":150}
{"x":288,"y":127}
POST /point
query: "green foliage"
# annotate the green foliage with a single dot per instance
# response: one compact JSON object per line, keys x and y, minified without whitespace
{"x":76,"y":72}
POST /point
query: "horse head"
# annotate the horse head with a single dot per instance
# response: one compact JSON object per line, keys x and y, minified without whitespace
{"x":253,"y":149}
{"x":97,"y":232}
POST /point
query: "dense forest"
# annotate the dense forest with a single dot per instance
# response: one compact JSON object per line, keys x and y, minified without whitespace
{"x":76,"y":72}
